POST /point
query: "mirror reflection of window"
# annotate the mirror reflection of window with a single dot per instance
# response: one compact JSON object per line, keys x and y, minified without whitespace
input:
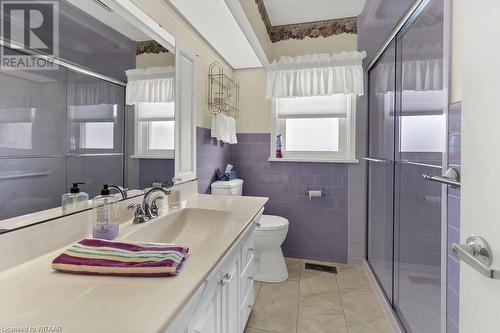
{"x":16,"y":123}
{"x":16,"y":135}
{"x":155,"y":129}
{"x":423,"y":109}
{"x":95,"y":126}
{"x":97,"y":135}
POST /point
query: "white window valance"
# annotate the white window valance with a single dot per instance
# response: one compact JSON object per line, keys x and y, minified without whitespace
{"x":421,"y":70}
{"x":150,"y":85}
{"x":88,"y":91}
{"x":316,"y":75}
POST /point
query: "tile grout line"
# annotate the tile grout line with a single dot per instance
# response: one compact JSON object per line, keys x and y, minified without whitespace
{"x":341,"y":303}
{"x":298,"y":297}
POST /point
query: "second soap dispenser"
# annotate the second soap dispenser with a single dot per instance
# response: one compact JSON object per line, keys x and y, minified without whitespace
{"x":75,"y":200}
{"x":105,"y":215}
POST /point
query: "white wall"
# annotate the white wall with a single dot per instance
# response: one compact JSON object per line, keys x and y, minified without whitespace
{"x":147,"y":60}
{"x":456,"y":52}
{"x":255,"y":109}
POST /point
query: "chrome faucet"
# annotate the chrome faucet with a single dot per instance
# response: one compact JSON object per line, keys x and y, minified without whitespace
{"x":148,"y":211}
{"x":123,"y":192}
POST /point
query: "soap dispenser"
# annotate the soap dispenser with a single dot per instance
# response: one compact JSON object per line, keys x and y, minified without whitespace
{"x":105,"y":215}
{"x":75,"y":200}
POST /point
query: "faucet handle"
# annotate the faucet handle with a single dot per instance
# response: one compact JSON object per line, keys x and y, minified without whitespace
{"x":155,"y":211}
{"x":139,"y":214}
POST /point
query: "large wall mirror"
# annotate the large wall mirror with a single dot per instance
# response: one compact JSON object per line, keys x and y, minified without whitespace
{"x":106,"y":115}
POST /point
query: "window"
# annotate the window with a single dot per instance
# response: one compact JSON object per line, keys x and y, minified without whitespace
{"x":318,"y":128}
{"x":155,"y":130}
{"x":98,"y":135}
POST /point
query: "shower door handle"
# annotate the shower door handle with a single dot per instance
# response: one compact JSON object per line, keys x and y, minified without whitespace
{"x":377,"y":160}
{"x":477,"y":254}
{"x":451,"y":177}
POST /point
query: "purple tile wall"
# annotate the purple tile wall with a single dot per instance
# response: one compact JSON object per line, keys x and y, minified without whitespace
{"x":318,"y":227}
{"x":155,"y":170}
{"x":453,"y":273}
{"x":211,"y":155}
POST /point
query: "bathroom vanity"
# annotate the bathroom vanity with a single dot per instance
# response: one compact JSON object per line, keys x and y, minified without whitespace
{"x":213,"y":292}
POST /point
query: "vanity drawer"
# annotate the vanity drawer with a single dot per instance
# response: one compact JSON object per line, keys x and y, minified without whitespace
{"x":247,"y":277}
{"x":246,"y":307}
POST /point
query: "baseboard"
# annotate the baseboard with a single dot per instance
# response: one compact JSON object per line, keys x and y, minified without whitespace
{"x":355,"y":261}
{"x":389,"y":313}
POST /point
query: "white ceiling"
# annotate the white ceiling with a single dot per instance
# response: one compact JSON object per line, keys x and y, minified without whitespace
{"x":283,"y":12}
{"x":215,"y":22}
{"x":111,"y":19}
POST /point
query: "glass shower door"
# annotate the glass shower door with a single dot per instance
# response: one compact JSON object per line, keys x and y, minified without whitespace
{"x":421,"y":135}
{"x":95,"y":132}
{"x":381,"y":170}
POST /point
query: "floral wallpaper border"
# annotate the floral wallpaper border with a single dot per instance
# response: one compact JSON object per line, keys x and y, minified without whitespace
{"x":149,"y":46}
{"x":311,"y":29}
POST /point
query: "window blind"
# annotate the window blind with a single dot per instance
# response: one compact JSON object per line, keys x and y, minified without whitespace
{"x":333,"y":106}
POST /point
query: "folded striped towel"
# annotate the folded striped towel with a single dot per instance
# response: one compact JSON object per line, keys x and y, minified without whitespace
{"x":102,"y":257}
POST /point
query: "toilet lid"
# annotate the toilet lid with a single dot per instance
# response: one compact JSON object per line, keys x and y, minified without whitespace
{"x":272,"y":222}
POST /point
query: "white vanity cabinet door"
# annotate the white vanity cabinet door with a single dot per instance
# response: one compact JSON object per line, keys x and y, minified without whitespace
{"x":208,"y":316}
{"x":210,"y":320}
{"x":224,"y":302}
{"x":231,"y":298}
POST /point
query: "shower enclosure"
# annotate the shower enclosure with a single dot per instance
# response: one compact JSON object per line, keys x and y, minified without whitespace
{"x":407,"y":138}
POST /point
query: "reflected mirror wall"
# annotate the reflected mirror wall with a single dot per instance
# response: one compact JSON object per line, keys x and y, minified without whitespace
{"x":62,"y":126}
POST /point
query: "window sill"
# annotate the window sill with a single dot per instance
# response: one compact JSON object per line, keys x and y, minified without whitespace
{"x":313,"y":160}
{"x":153,"y":157}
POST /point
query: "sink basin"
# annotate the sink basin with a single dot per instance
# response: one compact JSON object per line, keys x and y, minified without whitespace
{"x":187,"y":226}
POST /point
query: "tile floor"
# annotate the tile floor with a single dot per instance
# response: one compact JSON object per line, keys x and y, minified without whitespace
{"x":318,"y":302}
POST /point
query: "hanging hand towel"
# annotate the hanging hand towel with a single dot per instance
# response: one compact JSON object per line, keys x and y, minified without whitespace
{"x":221,"y":128}
{"x":101,"y":257}
{"x":214,"y":133}
{"x":232,"y":130}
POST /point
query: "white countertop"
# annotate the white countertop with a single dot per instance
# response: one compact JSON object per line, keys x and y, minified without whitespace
{"x":32,"y":294}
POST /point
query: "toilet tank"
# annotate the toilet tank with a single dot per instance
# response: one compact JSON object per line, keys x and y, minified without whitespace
{"x":230,"y":187}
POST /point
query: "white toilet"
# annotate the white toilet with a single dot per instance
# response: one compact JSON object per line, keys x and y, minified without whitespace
{"x":270,"y":263}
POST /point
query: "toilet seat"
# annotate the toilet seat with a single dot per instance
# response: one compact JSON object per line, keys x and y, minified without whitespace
{"x":272,"y":222}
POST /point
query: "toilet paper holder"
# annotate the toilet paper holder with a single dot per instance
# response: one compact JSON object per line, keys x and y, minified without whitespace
{"x":321,"y":190}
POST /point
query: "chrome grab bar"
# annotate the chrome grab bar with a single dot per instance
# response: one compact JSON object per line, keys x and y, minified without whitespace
{"x":377,"y":160}
{"x":477,"y":254}
{"x":451,"y":177}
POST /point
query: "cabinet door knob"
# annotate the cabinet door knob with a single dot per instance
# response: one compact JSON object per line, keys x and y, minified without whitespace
{"x":221,"y":282}
{"x":250,"y":249}
{"x":227,"y":276}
